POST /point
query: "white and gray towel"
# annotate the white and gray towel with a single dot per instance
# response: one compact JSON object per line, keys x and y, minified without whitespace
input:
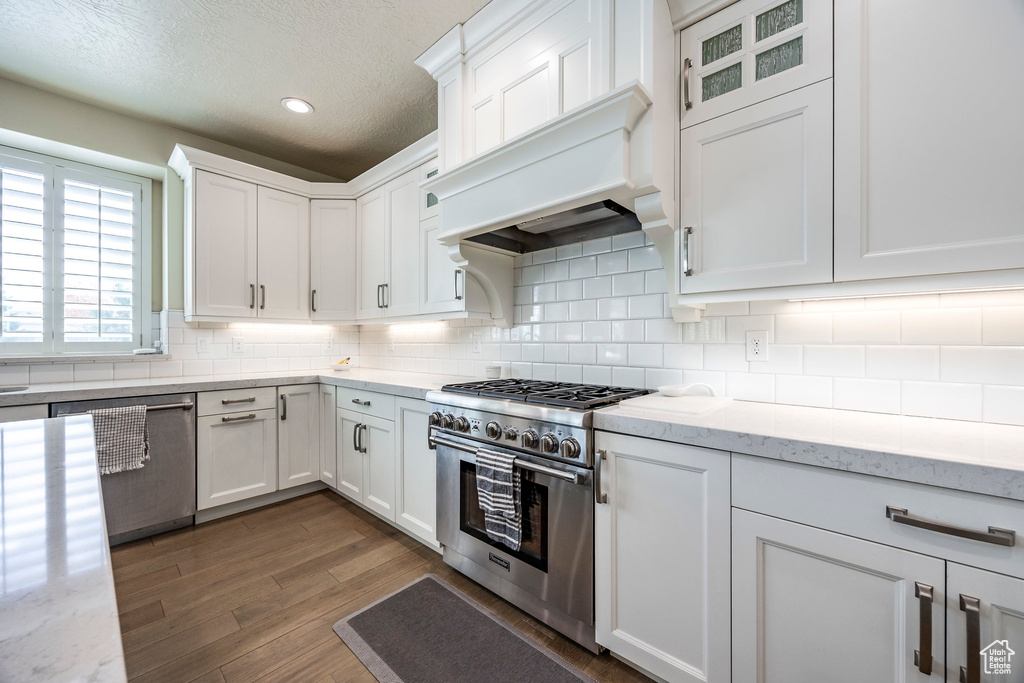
{"x":499,"y":488}
{"x":122,"y":438}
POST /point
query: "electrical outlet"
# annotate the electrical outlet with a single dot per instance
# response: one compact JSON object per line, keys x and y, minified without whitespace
{"x":236,"y":344}
{"x":477,"y":347}
{"x":757,"y":346}
{"x":329,"y":343}
{"x":202,"y":344}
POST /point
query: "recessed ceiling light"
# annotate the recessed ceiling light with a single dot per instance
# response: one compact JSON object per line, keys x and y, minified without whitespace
{"x":296,"y":105}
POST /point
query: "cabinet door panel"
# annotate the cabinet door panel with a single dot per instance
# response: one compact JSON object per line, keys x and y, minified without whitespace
{"x":224,"y":246}
{"x":236,"y":458}
{"x":811,"y":605}
{"x":1001,"y":602}
{"x":756,"y":188}
{"x":442,"y":280}
{"x":416,"y":506}
{"x":751,"y":52}
{"x":927,"y":152}
{"x":350,"y":459}
{"x":371,"y":246}
{"x":403,"y":291}
{"x":328,"y":436}
{"x":378,"y":438}
{"x":333,"y":259}
{"x":298,"y":435}
{"x":283,"y":255}
{"x":662,"y":557}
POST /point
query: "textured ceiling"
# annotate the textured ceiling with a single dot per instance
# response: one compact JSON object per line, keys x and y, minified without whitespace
{"x":219,"y":68}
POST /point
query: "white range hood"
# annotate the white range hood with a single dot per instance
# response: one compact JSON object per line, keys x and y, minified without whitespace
{"x":546,"y":106}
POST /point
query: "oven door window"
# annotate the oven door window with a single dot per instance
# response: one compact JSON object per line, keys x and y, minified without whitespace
{"x":533,"y":548}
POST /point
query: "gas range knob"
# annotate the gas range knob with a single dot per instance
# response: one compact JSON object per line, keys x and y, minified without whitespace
{"x":549,"y":443}
{"x":435,"y":419}
{"x":529,"y":439}
{"x":447,"y":421}
{"x":493,"y":430}
{"x":461,"y":424}
{"x":570,"y":448}
{"x":511,"y":433}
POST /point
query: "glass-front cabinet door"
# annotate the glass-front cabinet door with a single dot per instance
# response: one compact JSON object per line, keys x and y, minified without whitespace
{"x":751,"y":51}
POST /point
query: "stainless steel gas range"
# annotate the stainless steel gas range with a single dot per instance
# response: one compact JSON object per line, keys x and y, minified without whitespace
{"x":548,"y":428}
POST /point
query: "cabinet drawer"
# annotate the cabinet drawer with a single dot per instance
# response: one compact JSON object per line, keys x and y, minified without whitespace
{"x":855,"y":504}
{"x":236,"y":400}
{"x":367,"y":402}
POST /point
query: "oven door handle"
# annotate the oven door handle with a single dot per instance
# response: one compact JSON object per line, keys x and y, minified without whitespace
{"x":572,"y":477}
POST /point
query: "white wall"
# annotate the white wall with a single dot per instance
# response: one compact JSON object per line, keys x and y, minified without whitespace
{"x":597,"y":312}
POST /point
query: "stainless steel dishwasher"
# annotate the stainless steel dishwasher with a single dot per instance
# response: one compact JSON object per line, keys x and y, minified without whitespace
{"x":162,"y":495}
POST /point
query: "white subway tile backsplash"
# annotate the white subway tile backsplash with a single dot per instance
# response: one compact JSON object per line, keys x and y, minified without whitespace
{"x":131,"y":370}
{"x":556,"y":312}
{"x":597,"y":331}
{"x":727,"y":308}
{"x":715,"y":380}
{"x":941,"y":399}
{"x":834,"y":361}
{"x":800,"y":390}
{"x":644,"y":258}
{"x":870,"y":395}
{"x":14,"y":375}
{"x":655,"y":282}
{"x":569,"y":373}
{"x":612,"y":309}
{"x":54,"y":372}
{"x":783,"y":359}
{"x":902,"y":362}
{"x":747,"y":387}
{"x":873,"y":327}
{"x":569,"y":332}
{"x":533,"y":275}
{"x":1003,"y":325}
{"x":663,"y":330}
{"x":569,"y":251}
{"x":803,"y":328}
{"x":628,"y":377}
{"x":628,"y":284}
{"x":545,"y":256}
{"x":1004,"y":405}
{"x":726,"y":357}
{"x":583,"y":311}
{"x":629,"y":240}
{"x":597,"y":374}
{"x":684,"y":356}
{"x":581,"y":268}
{"x":647,"y":306}
{"x":545,"y":293}
{"x":612,"y":354}
{"x":583,"y":354}
{"x":598,"y":246}
{"x":942,"y":326}
{"x":645,"y":355}
{"x":559,"y":270}
{"x":628,"y":331}
{"x":570,"y":290}
{"x":556,"y":353}
{"x":597,"y":287}
{"x":736,"y":327}
{"x":983,"y":364}
{"x":89,"y":372}
{"x":612,"y":262}
{"x":658,"y":377}
{"x":545,"y":372}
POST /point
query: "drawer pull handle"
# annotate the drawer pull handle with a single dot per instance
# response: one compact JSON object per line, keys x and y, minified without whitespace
{"x":355,"y":438}
{"x":250,"y":416}
{"x":994,"y":535}
{"x":923,"y":657}
{"x":361,"y":403}
{"x":284,"y":407}
{"x":972,"y":672}
{"x":362,"y":431}
{"x":232,"y":401}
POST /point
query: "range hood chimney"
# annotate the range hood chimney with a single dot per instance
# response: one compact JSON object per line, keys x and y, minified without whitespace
{"x":557,"y":124}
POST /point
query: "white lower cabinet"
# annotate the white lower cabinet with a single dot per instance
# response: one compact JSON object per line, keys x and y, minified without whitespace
{"x":662,"y":557}
{"x":366,"y":461}
{"x":974,"y":638}
{"x":812,"y":605}
{"x":236,"y":456}
{"x":416,"y":475}
{"x":328,"y":436}
{"x":298,"y":435}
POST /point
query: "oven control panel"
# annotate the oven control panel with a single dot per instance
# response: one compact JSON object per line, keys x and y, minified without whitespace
{"x":547,"y":439}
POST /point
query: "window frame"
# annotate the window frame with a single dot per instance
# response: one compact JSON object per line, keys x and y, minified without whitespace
{"x":55,"y":171}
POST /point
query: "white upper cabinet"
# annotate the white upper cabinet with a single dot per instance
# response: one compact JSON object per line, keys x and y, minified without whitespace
{"x":332,"y":232}
{"x":443,"y":283}
{"x":222,"y":261}
{"x":371,"y":247}
{"x":929,"y":96}
{"x":402,"y":293}
{"x":756,"y":195}
{"x":752,"y":51}
{"x":283,"y":249}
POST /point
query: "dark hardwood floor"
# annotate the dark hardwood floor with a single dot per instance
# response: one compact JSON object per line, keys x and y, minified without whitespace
{"x":253,"y":597}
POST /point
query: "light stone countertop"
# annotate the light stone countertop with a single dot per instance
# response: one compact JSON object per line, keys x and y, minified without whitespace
{"x":967,"y":456}
{"x":408,"y":384}
{"x":58,"y":610}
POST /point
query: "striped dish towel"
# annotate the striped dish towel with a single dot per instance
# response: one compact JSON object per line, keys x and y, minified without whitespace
{"x":122,"y":438}
{"x":499,"y":488}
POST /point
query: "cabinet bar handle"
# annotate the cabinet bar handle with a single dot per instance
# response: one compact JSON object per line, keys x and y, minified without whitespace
{"x":312,"y":301}
{"x":687,"y":271}
{"x":232,"y":401}
{"x":250,"y":416}
{"x":994,"y":535}
{"x":355,"y":439}
{"x":362,"y":430}
{"x":458,"y":297}
{"x":972,"y":672}
{"x":923,"y":657}
{"x":600,"y":497}
{"x":252,"y":296}
{"x":387,"y":295}
{"x":361,"y":403}
{"x":284,"y":407}
{"x":380,"y":289}
{"x":687,"y":104}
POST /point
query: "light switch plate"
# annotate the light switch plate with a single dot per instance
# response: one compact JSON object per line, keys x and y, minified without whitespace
{"x":202,"y":344}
